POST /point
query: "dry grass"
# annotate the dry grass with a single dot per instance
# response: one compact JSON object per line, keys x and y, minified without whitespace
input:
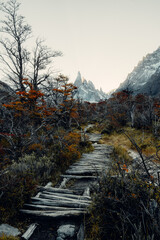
{"x":116,"y":139}
{"x":144,"y":139}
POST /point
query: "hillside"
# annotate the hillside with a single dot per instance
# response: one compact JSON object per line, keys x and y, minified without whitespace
{"x":145,"y":77}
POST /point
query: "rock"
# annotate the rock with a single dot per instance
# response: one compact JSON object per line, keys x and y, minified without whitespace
{"x":59,"y":238}
{"x":64,"y":231}
{"x":9,"y":230}
{"x":86,"y":90}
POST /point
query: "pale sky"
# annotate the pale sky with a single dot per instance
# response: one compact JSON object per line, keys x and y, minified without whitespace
{"x":103,"y":39}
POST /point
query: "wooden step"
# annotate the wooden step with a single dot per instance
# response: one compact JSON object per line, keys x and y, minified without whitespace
{"x":59,"y":203}
{"x":54,"y":214}
{"x":56,"y":190}
{"x":72,"y":196}
{"x":54,"y":208}
{"x":63,"y":198}
{"x":80,"y":177}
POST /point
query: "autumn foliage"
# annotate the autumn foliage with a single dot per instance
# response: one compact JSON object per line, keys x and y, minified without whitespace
{"x":38,"y":128}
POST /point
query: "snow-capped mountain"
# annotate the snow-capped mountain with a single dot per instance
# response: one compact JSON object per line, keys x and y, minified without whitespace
{"x":145,"y":77}
{"x":86,"y":90}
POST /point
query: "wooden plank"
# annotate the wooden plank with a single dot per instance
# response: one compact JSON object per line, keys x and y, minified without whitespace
{"x":83,"y":164}
{"x":80,"y":177}
{"x":51,"y":214}
{"x":56,"y":190}
{"x":63,"y":183}
{"x":68,"y":195}
{"x":76,"y":172}
{"x":96,"y":161}
{"x":85,"y":168}
{"x":29,"y":231}
{"x":90,"y":161}
{"x":59,"y":198}
{"x":60,"y":203}
{"x":49,"y":184}
{"x":44,"y":207}
{"x":86,"y":192}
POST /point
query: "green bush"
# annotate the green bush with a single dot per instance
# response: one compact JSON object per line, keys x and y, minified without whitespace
{"x":39,"y":167}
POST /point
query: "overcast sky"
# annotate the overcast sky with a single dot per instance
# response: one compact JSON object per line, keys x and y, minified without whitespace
{"x":103,"y":39}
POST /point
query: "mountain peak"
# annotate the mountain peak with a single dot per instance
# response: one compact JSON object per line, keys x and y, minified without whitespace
{"x":87,"y":91}
{"x":78,"y":81}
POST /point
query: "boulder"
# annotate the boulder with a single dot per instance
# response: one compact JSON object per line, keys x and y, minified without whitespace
{"x":9,"y":230}
{"x":66,"y":231}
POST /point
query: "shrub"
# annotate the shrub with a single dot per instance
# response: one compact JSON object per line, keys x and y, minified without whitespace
{"x":20,"y":181}
{"x":39,"y":167}
{"x":124,"y":208}
{"x":70,"y":149}
{"x":17,"y":189}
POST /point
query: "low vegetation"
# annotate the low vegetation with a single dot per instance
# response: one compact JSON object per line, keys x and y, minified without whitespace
{"x":38,"y":142}
{"x":126,"y":204}
{"x":145,"y":139}
{"x":124,"y":208}
{"x":41,"y":135}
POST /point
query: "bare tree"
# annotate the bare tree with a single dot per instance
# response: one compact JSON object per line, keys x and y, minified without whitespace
{"x":15,"y":33}
{"x":40,"y":63}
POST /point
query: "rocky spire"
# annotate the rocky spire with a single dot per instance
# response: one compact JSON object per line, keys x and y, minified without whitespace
{"x":78,"y":81}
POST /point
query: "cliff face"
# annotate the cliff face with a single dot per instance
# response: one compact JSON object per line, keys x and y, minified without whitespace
{"x":145,"y":77}
{"x":87,"y":92}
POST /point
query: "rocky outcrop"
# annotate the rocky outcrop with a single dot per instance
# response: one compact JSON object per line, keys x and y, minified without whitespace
{"x":86,"y":90}
{"x":145,"y":77}
{"x":8,"y":230}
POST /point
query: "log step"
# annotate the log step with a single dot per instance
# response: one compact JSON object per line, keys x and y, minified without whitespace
{"x":56,"y":190}
{"x":59,"y":203}
{"x":80,"y":177}
{"x":72,"y":196}
{"x":54,"y":214}
{"x":45,"y":207}
{"x":76,"y":172}
{"x":62,"y":198}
